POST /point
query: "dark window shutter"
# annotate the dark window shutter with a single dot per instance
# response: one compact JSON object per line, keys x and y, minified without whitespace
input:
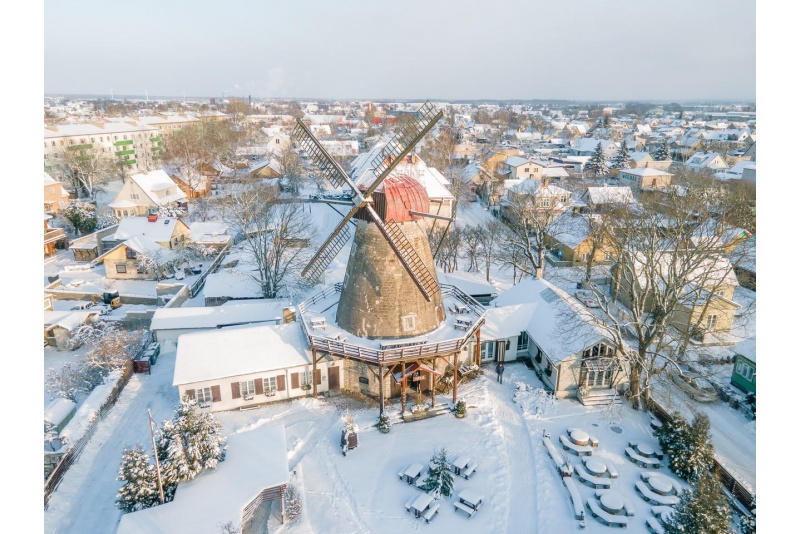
{"x":281,"y":383}
{"x":318,"y":376}
{"x":295,"y":380}
{"x":215,"y":396}
{"x":235,"y":392}
{"x":259,"y":386}
{"x":190,"y":393}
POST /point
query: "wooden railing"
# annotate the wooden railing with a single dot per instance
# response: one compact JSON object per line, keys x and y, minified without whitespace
{"x":54,"y":235}
{"x":358,"y":352}
{"x":726,"y":478}
{"x":74,"y":452}
{"x":268,"y":494}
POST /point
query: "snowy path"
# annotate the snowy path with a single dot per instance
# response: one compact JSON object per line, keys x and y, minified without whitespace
{"x":84,"y":501}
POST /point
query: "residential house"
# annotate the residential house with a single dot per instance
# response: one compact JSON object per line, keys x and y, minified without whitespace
{"x":585,"y":146}
{"x":706,"y":307}
{"x":737,"y":171}
{"x":262,"y":364}
{"x":745,"y":268}
{"x":605,"y":198}
{"x":59,"y":326}
{"x":744,"y":365}
{"x":209,"y":234}
{"x":145,"y":193}
{"x":196,"y":185}
{"x":55,"y":195}
{"x":277,"y":143}
{"x":536,"y":198}
{"x":537,"y":320}
{"x":570,"y":238}
{"x":644,"y":178}
{"x":710,"y":161}
{"x":54,"y":238}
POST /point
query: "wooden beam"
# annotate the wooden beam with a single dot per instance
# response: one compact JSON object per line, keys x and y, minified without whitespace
{"x":433,"y":386}
{"x":314,"y":370}
{"x":403,"y":389}
{"x":380,"y":387}
{"x":478,"y":347}
{"x":455,"y":377}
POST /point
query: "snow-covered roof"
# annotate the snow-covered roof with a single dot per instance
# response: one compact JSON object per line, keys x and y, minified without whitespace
{"x":469,"y":283}
{"x":559,"y":325}
{"x":255,"y":460}
{"x":231,"y":313}
{"x":233,"y":284}
{"x":210,"y":232}
{"x":610,"y":195}
{"x":507,"y":321}
{"x":746,"y":348}
{"x":570,"y":229}
{"x":69,"y":320}
{"x":516,"y":161}
{"x":58,"y":410}
{"x":160,"y":230}
{"x":158,"y":180}
{"x":645,"y":171}
{"x":247,"y":350}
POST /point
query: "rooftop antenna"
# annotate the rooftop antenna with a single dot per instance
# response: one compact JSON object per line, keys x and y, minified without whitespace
{"x":112,"y":94}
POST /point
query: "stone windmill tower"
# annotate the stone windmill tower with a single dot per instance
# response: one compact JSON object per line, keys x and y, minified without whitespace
{"x":390,"y":289}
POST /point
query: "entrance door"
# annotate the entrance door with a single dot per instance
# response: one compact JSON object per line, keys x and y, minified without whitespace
{"x":487,"y":351}
{"x":333,"y":377}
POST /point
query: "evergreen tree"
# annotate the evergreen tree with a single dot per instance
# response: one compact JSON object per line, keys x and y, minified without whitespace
{"x":439,"y":479}
{"x":597,"y":162}
{"x":703,"y":509}
{"x":662,"y":152}
{"x":689,"y":446}
{"x":189,"y":444}
{"x":622,"y":160}
{"x":141,"y":483}
{"x":748,"y":523}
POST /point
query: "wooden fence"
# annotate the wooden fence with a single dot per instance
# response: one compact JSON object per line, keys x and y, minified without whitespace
{"x":74,"y":452}
{"x":728,"y":480}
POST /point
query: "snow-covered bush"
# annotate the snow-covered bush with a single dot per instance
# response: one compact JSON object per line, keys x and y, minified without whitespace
{"x":141,"y":481}
{"x":189,"y":444}
{"x":384,"y":423}
{"x":689,"y":446}
{"x":439,"y":481}
{"x":293,"y":505}
{"x":70,"y":381}
{"x":81,"y":215}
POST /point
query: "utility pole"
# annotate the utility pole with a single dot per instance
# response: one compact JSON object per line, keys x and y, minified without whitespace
{"x":155,"y":455}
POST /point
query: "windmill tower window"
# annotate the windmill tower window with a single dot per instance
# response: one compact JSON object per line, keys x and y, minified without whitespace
{"x":409,"y":322}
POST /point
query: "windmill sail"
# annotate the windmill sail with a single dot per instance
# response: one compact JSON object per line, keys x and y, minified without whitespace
{"x":330,"y":169}
{"x":326,"y":253}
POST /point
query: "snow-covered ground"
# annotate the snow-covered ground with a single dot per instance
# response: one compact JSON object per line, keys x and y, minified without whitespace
{"x":361,"y":492}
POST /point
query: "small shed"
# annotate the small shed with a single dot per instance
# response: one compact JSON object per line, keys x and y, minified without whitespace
{"x":58,"y":413}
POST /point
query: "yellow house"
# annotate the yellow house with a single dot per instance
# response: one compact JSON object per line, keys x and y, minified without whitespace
{"x":145,"y":193}
{"x":54,"y":194}
{"x":644,"y":178}
{"x":569,"y":237}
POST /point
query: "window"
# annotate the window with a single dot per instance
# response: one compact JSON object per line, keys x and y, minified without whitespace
{"x":270,"y":384}
{"x":608,"y":256}
{"x":527,"y":169}
{"x":52,"y":190}
{"x":409,"y":322}
{"x":745,"y":370}
{"x":130,"y":253}
{"x":203,"y":395}
{"x":585,"y":257}
{"x":544,"y":202}
{"x":121,"y":268}
{"x":135,"y":196}
{"x":711,"y":323}
{"x":522,"y":341}
{"x":305,"y":378}
{"x":487,"y":350}
{"x":248,"y":387}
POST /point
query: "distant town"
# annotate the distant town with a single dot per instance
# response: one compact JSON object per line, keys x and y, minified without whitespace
{"x":297,"y":315}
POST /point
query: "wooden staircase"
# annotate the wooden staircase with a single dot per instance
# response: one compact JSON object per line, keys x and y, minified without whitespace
{"x":600,"y":397}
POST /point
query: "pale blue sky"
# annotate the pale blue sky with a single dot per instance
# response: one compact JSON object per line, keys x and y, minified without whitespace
{"x":441,"y":49}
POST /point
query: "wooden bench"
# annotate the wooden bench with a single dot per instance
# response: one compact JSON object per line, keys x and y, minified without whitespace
{"x":410,"y":502}
{"x":554,"y":454}
{"x":596,"y":482}
{"x":644,"y":461}
{"x":658,"y":454}
{"x":463,"y":323}
{"x":627,"y":506}
{"x":651,"y":496}
{"x":464,"y":508}
{"x":612,"y":470}
{"x":661,"y":511}
{"x":577,"y":449}
{"x":575,"y":497}
{"x":468,"y":471}
{"x":654,"y":526}
{"x":609,"y":519}
{"x":432,"y":511}
{"x":318,"y":324}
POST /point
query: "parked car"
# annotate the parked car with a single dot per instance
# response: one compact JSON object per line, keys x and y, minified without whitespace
{"x":83,"y":306}
{"x":694,"y":384}
{"x":587,"y":297}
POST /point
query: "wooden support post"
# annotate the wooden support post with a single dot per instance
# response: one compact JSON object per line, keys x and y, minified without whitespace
{"x":314,"y":371}
{"x":403,"y":389}
{"x":380,"y":387}
{"x":478,"y":347}
{"x":433,"y":385}
{"x":283,"y":508}
{"x":455,"y":377}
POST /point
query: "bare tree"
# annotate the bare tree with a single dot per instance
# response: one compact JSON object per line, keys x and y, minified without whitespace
{"x":471,"y":237}
{"x":291,"y":168}
{"x":85,"y":168}
{"x":445,"y":244}
{"x":674,"y":272}
{"x":490,"y":237}
{"x":277,"y":236}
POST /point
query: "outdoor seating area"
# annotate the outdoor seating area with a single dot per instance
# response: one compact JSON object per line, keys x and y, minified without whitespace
{"x":318,"y":323}
{"x":644,"y":454}
{"x":411,"y":474}
{"x":577,"y":442}
{"x":658,"y":489}
{"x":466,"y":324}
{"x":468,"y":502}
{"x":596,"y":481}
{"x":652,"y":497}
{"x":463,"y":466}
{"x":608,"y":509}
{"x":420,"y":505}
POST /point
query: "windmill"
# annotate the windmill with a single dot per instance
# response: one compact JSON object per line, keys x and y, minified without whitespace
{"x":390,"y":288}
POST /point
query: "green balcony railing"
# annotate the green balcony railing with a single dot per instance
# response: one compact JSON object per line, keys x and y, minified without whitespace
{"x":123,"y":143}
{"x":80,"y":147}
{"x":125,"y":152}
{"x":155,"y":139}
{"x":128,"y":161}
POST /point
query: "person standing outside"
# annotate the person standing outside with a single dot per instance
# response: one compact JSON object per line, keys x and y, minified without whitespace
{"x":500,"y":368}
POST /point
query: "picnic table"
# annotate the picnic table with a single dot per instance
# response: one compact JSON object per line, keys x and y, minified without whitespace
{"x":463,"y":466}
{"x":421,"y":504}
{"x":461,"y":309}
{"x":318,"y":323}
{"x":411,"y":473}
{"x":653,"y":497}
{"x":644,"y":461}
{"x":463,"y":323}
{"x":468,"y":502}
